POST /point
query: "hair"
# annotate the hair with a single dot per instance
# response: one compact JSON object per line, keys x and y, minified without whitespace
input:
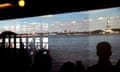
{"x":103,"y":49}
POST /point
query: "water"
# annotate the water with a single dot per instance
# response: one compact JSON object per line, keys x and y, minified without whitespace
{"x":81,"y":47}
{"x":114,"y":40}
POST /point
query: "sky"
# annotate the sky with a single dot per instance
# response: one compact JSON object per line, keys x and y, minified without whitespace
{"x":71,"y":21}
{"x":98,"y":18}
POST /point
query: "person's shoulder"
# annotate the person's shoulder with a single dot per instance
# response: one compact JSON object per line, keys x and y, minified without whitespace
{"x":100,"y":68}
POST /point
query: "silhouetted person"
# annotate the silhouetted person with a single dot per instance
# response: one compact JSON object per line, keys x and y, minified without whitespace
{"x":42,"y":61}
{"x":118,"y":66}
{"x":8,"y":52}
{"x":23,"y":58}
{"x":104,"y":64}
{"x":67,"y":67}
{"x":79,"y":67}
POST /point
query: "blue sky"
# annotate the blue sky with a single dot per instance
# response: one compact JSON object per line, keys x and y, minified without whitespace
{"x":75,"y":21}
{"x":65,"y":17}
{"x":104,"y":12}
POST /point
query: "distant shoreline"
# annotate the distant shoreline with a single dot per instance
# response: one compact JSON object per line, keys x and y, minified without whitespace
{"x":65,"y":35}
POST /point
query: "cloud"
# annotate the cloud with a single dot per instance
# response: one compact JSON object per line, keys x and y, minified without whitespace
{"x":24,"y":22}
{"x":115,"y":17}
{"x":100,"y":18}
{"x":74,"y":22}
{"x":90,"y":19}
{"x":33,"y":23}
{"x":47,"y":16}
{"x":57,"y":22}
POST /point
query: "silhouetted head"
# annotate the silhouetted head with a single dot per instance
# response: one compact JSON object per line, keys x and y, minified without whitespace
{"x":104,"y":50}
{"x":68,"y":67}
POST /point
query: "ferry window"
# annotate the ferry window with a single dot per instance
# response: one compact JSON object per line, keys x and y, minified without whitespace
{"x":30,"y":43}
{"x":12,"y":40}
{"x":12,"y":43}
{"x":37,"y":43}
{"x":6,"y":42}
{"x":0,"y":40}
{"x":30,"y":39}
{"x":17,"y":42}
{"x":17,"y":45}
{"x":37,"y":39}
{"x":24,"y":42}
{"x":45,"y":42}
